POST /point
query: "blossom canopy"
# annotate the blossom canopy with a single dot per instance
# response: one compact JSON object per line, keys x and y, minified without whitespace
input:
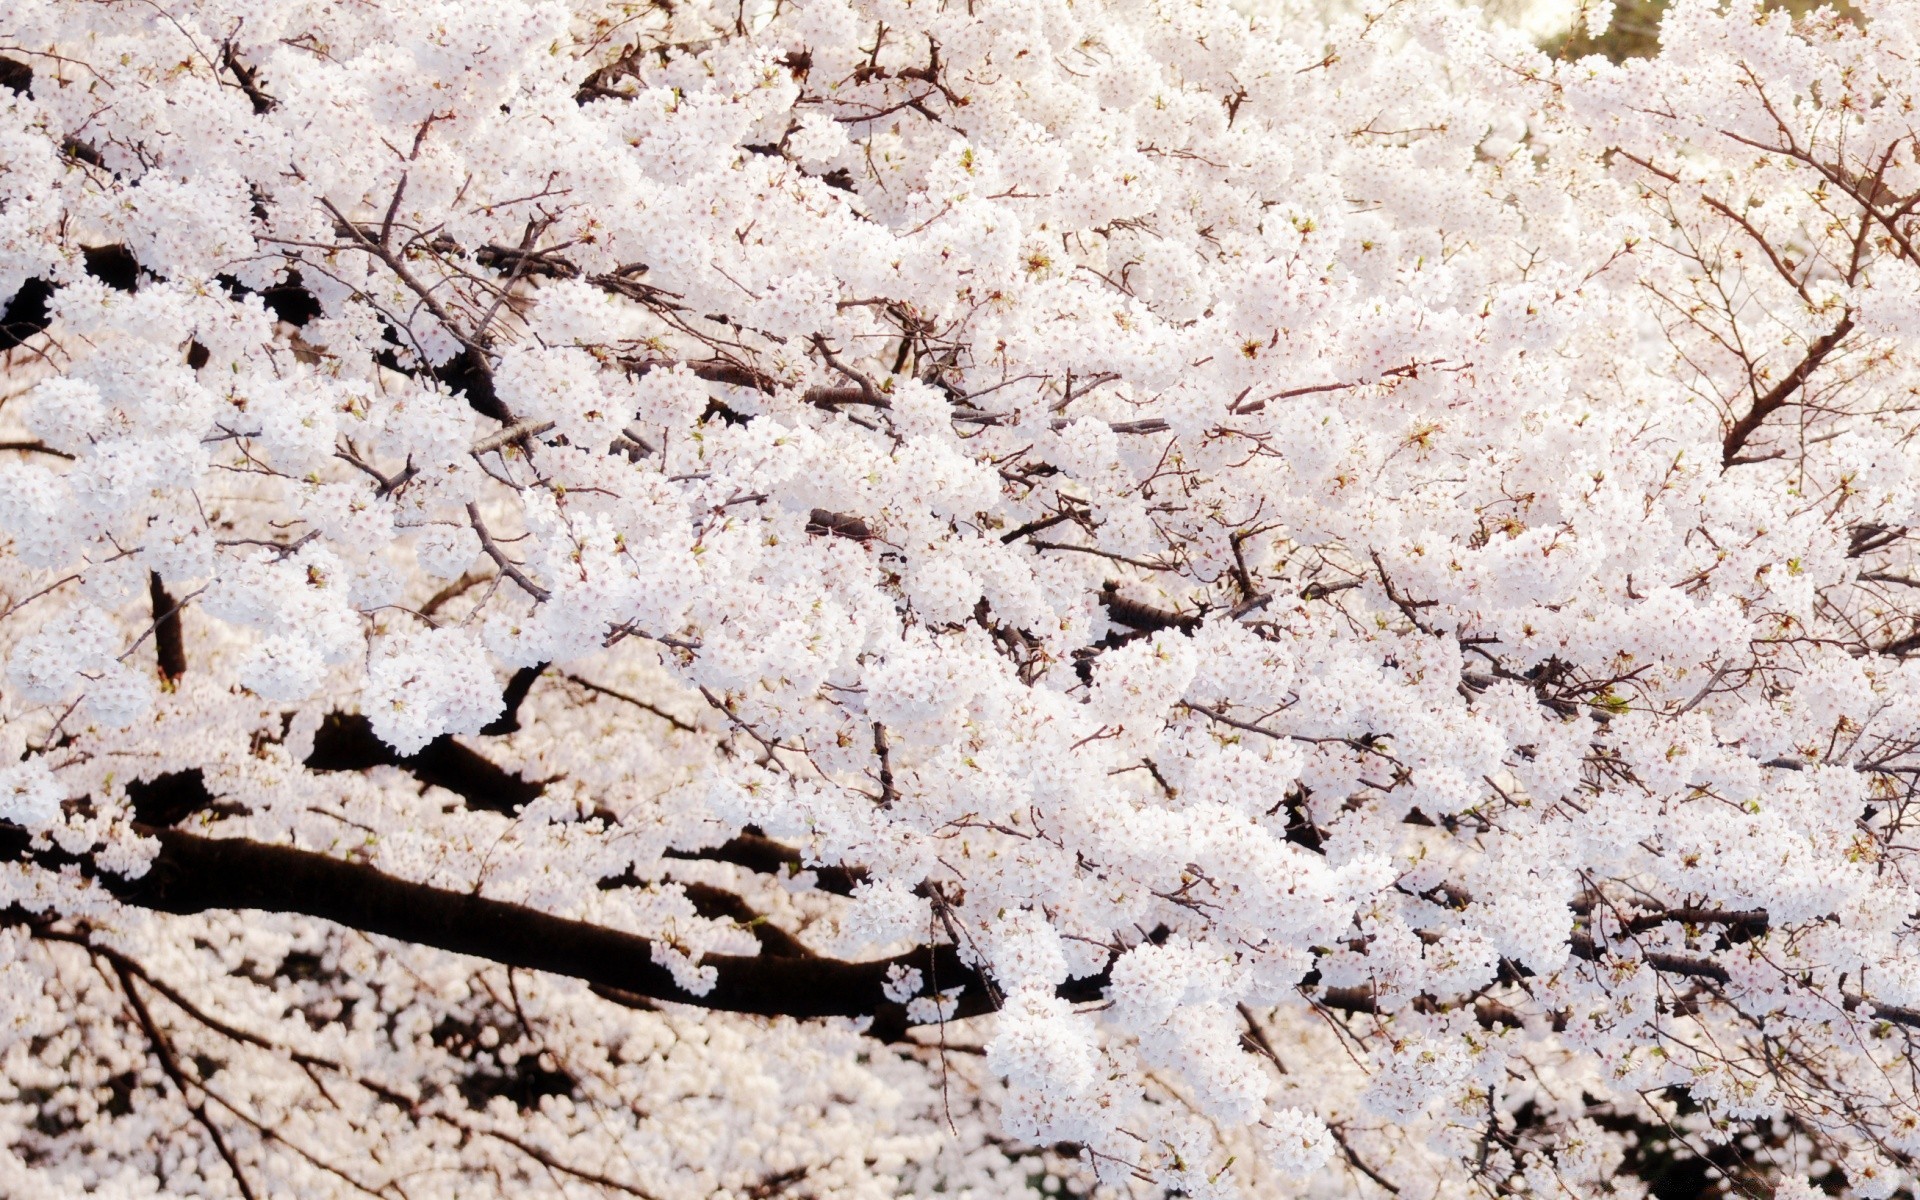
{"x":865,"y":598}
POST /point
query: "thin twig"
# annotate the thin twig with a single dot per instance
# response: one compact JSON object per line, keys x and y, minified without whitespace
{"x":507,"y":566}
{"x":171,"y":1065}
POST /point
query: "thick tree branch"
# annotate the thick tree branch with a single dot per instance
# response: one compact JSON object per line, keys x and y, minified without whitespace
{"x":194,"y":874}
{"x":15,"y":76}
{"x":169,"y":642}
{"x":1671,"y":964}
{"x":516,"y":694}
{"x":768,"y":857}
{"x":839,"y":524}
{"x":346,"y":742}
{"x":1143,"y":617}
{"x":716,"y":903}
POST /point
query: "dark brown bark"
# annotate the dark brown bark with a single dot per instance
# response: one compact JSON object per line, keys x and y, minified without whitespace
{"x":194,"y":874}
{"x":516,"y":694}
{"x":15,"y":76}
{"x":768,"y":857}
{"x":714,"y":903}
{"x":839,"y":524}
{"x":169,"y":640}
{"x":169,"y":799}
{"x":1144,"y":617}
{"x":346,"y":742}
{"x":249,"y":80}
{"x":1671,"y":964}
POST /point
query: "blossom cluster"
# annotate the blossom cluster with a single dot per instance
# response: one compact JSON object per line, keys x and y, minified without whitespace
{"x":1353,"y":576}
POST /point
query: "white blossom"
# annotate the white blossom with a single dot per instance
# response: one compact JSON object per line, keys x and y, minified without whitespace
{"x":29,"y":794}
{"x":423,"y":685}
{"x":839,"y":598}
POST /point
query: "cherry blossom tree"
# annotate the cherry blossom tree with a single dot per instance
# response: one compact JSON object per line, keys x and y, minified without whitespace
{"x":853,"y":598}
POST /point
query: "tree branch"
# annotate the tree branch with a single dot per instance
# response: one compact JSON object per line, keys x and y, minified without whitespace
{"x":346,"y":742}
{"x":1143,"y":617}
{"x":1765,"y":406}
{"x":507,"y":566}
{"x":171,"y":1065}
{"x":169,"y":642}
{"x":195,"y":874}
{"x":768,"y":857}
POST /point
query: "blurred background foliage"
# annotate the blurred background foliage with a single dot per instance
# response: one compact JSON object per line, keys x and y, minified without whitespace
{"x":1635,"y":32}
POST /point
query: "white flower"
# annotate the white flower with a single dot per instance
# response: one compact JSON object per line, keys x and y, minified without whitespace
{"x":29,"y":794}
{"x":118,"y":695}
{"x":883,"y":913}
{"x":1296,"y":1143}
{"x":446,"y":551}
{"x":424,"y":684}
{"x":48,"y":664}
{"x":283,"y":669}
{"x":903,"y":983}
{"x":1040,"y":1045}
